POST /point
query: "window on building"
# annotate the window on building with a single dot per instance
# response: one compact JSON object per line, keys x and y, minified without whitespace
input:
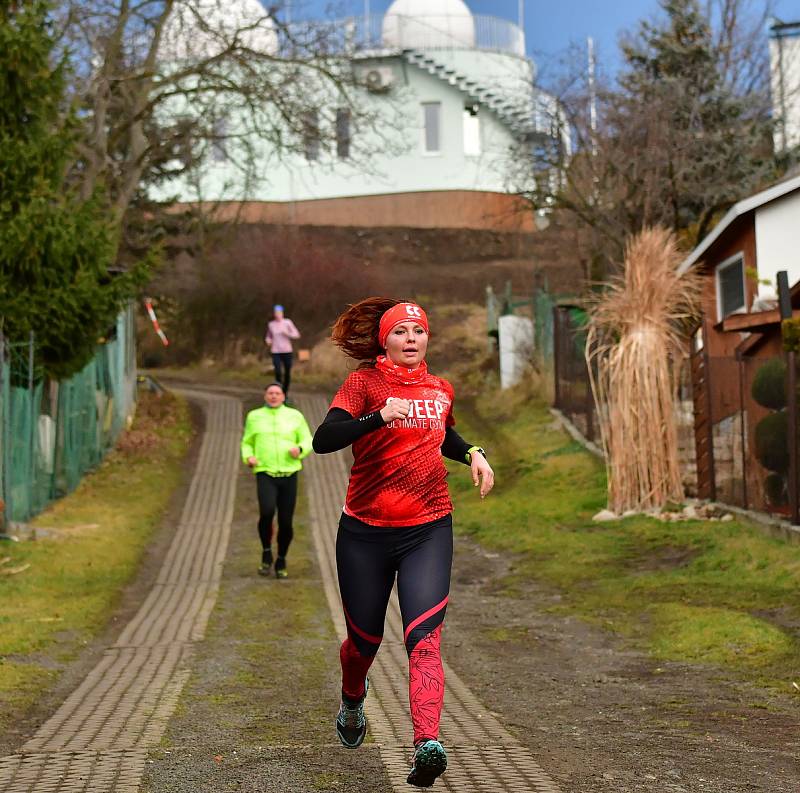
{"x":730,"y":286}
{"x":311,"y":139}
{"x":432,"y":112}
{"x":472,"y":131}
{"x":219,"y":133}
{"x":343,"y":133}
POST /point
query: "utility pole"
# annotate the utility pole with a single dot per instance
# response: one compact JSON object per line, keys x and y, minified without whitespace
{"x":521,"y":13}
{"x":592,"y":94}
{"x":367,"y":31}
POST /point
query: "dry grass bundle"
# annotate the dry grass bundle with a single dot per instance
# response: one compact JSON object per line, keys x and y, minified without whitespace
{"x":636,"y":340}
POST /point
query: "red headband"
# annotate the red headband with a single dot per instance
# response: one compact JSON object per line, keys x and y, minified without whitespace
{"x":402,"y":312}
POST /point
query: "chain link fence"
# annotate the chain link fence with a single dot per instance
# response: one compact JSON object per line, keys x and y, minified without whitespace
{"x":52,"y":433}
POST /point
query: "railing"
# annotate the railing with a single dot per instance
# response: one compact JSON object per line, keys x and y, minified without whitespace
{"x":378,"y":32}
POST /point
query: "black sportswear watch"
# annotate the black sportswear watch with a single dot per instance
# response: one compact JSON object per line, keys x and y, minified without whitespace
{"x":472,"y":449}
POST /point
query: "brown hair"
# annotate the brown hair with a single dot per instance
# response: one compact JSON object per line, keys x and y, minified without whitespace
{"x":356,"y":330}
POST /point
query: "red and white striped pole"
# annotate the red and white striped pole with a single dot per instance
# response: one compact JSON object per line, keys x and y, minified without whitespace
{"x":148,"y":304}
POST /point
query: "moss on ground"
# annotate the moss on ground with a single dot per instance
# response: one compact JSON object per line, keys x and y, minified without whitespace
{"x":88,"y":547}
{"x":717,"y":593}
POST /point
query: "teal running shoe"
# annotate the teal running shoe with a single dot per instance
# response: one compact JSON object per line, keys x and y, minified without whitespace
{"x":430,"y":762}
{"x":351,"y":723}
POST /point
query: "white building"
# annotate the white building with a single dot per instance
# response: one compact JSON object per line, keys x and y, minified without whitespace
{"x":455,"y":93}
{"x":784,"y":50}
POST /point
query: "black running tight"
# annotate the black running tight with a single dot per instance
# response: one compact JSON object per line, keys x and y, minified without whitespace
{"x":276,"y":492}
{"x":368,"y":559}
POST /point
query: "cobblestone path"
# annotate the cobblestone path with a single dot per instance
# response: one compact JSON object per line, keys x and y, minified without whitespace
{"x":99,"y":739}
{"x":483,"y":756}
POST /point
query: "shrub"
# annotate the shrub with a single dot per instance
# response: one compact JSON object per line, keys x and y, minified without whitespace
{"x":769,"y":385}
{"x":772,"y":448}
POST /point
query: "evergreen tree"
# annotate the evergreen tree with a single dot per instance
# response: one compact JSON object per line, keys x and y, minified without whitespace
{"x":702,"y":145}
{"x":683,"y":133}
{"x":56,"y":250}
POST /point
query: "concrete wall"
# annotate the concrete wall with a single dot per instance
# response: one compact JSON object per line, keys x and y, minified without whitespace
{"x":516,"y":348}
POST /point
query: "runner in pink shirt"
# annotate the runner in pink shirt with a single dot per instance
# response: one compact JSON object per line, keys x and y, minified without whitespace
{"x":280,"y":332}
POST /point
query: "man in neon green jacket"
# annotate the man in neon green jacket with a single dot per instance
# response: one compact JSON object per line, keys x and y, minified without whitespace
{"x":276,"y":438}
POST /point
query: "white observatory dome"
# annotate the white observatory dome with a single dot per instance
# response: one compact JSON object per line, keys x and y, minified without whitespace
{"x":204,"y":28}
{"x":428,"y":24}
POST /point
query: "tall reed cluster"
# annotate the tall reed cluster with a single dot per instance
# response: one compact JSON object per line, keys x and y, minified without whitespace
{"x":636,"y":343}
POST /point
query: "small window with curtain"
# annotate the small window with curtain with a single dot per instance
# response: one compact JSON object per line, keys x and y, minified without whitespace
{"x":432,"y":117}
{"x":311,"y":141}
{"x":731,"y":294}
{"x":343,"y":133}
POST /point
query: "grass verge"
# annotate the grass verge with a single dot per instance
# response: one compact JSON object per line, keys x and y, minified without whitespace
{"x":716,"y":593}
{"x":88,"y":547}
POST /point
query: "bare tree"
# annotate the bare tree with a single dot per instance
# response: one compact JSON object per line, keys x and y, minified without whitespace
{"x":161,"y":83}
{"x":682,"y":134}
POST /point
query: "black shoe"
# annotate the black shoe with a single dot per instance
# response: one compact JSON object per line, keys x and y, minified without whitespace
{"x":266,"y":562}
{"x":280,"y":567}
{"x":351,"y":724}
{"x":430,"y":762}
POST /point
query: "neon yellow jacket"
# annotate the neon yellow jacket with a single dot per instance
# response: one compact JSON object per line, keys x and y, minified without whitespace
{"x":269,"y":433}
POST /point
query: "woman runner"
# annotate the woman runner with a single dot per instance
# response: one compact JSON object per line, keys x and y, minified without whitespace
{"x":279,"y":335}
{"x":397,"y":516}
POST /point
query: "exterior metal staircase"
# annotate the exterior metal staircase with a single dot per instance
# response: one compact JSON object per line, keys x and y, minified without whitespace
{"x":521,"y":117}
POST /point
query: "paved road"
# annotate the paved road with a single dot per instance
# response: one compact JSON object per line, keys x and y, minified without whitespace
{"x":98,"y":741}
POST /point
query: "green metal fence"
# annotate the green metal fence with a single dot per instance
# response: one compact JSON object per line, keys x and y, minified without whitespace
{"x":52,"y":433}
{"x":543,"y":305}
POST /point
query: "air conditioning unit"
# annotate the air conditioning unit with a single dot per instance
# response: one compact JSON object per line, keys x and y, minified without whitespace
{"x":379,"y":79}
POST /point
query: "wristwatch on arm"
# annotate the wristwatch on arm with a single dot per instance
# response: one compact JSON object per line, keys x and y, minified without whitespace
{"x":472,"y":449}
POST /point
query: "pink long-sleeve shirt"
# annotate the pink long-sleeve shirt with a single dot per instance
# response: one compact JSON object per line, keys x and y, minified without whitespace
{"x":281,"y":332}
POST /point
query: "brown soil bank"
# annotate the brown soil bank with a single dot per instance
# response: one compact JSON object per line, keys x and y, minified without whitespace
{"x":223,"y":295}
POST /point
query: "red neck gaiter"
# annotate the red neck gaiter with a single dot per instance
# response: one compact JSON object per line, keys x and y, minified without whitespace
{"x":401,"y":374}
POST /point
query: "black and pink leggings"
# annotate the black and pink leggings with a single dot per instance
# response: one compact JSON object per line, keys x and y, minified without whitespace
{"x":368,"y":558}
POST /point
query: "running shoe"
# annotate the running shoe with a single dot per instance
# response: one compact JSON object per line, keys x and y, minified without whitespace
{"x":430,"y":762}
{"x":280,"y":567}
{"x":266,"y":562}
{"x":351,"y":723}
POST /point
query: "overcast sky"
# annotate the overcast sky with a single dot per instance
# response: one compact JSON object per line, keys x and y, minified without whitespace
{"x":551,"y":27}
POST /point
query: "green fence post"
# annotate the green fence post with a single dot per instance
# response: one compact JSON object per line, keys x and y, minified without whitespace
{"x":491,"y":318}
{"x":5,"y":435}
{"x":34,"y":416}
